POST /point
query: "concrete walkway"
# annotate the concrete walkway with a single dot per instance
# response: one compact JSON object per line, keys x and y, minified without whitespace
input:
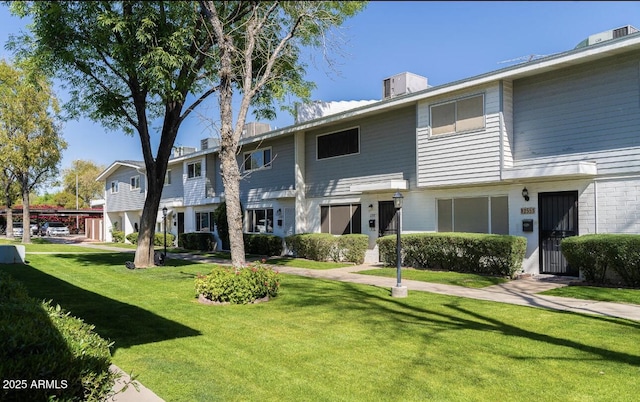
{"x":523,"y":292}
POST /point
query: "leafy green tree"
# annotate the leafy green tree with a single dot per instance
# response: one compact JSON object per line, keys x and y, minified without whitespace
{"x":131,"y":63}
{"x":30,"y":141}
{"x":257,"y":53}
{"x":80,"y":179}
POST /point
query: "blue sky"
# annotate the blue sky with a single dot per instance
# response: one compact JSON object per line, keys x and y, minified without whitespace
{"x":443,"y":41}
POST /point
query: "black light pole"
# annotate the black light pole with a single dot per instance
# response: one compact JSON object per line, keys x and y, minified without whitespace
{"x":399,"y":290}
{"x":164,"y":218}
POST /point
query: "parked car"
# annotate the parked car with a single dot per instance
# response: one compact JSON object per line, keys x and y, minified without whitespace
{"x":17,"y":229}
{"x":54,"y":229}
{"x":34,"y":229}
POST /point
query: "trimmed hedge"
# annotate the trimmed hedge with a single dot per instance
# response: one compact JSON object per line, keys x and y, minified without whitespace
{"x":263,"y":244}
{"x":43,"y":342}
{"x":324,"y":246}
{"x":203,"y":241}
{"x":117,"y":236}
{"x":242,"y":286}
{"x":605,"y":258}
{"x":461,"y":252}
{"x":158,"y":239}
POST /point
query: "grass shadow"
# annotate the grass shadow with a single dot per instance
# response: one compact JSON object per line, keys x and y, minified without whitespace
{"x":116,"y":258}
{"x":125,"y":324}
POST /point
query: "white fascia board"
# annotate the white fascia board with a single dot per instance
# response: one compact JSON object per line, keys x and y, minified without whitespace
{"x":274,"y":195}
{"x":562,"y":169}
{"x":382,"y":185}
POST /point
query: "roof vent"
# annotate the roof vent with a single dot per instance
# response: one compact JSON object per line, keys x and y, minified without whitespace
{"x":401,"y":84}
{"x":607,"y":35}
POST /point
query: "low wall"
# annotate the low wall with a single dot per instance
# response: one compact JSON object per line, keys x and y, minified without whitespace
{"x":12,"y":254}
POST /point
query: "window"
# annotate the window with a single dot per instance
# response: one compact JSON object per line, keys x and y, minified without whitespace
{"x":194,"y":169}
{"x":260,"y":220}
{"x":114,"y":187}
{"x":167,"y":177}
{"x":345,"y":142}
{"x":474,"y":215}
{"x":135,"y":183}
{"x":257,"y":159}
{"x":204,"y":221}
{"x":461,"y":115}
{"x":340,"y":219}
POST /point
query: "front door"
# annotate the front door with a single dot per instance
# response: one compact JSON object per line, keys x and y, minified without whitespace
{"x":558,"y":219}
{"x":180,"y":222}
{"x":387,"y":225}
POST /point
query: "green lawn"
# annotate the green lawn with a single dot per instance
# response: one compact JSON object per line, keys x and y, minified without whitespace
{"x":304,"y":263}
{"x":323,"y":340}
{"x":445,"y":277}
{"x":44,"y":246}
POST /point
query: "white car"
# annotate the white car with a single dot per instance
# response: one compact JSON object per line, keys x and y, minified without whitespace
{"x":55,"y":229}
{"x":17,"y":229}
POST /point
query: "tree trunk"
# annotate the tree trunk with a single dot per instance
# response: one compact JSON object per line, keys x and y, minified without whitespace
{"x":26,"y":216}
{"x":9,"y":228}
{"x":231,"y":181}
{"x":145,"y":251}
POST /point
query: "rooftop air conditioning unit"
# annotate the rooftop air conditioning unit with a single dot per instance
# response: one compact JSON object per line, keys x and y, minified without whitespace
{"x":607,"y":35}
{"x":253,"y":128}
{"x":208,"y":143}
{"x":401,"y":84}
{"x":180,"y":151}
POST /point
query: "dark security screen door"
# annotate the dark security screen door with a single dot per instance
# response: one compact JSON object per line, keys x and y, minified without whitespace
{"x":387,"y":225}
{"x":558,"y":219}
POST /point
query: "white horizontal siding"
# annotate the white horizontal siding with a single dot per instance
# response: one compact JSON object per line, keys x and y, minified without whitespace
{"x":472,"y":157}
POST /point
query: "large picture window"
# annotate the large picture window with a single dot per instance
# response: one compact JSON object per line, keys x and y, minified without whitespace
{"x":204,"y":221}
{"x":474,"y":215}
{"x":461,"y":115}
{"x":257,"y":159}
{"x":260,"y":220}
{"x":340,"y":219}
{"x":345,"y":142}
{"x":194,"y":169}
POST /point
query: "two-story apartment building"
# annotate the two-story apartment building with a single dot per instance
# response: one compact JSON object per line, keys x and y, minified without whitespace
{"x":544,"y":149}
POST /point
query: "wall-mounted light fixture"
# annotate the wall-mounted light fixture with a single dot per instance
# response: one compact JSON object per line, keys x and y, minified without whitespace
{"x":279,"y":212}
{"x":525,"y":194}
{"x":370,"y":206}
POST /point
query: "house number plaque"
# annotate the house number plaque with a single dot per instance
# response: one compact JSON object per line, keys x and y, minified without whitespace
{"x":527,"y":211}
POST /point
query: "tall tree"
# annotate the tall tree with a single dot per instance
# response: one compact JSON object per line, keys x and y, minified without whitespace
{"x":30,"y":141}
{"x":80,"y":180}
{"x":258,"y":56}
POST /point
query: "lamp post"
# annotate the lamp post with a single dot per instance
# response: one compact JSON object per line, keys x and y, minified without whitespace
{"x":164,"y":223}
{"x":398,"y":290}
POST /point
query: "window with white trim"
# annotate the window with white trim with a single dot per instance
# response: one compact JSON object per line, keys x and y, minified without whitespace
{"x":474,"y":215}
{"x":340,"y":219}
{"x":135,"y":182}
{"x":204,"y":221}
{"x":194,"y":169}
{"x":167,"y":177}
{"x":114,"y":187}
{"x":260,"y":220}
{"x":464,"y":114}
{"x":341,"y":143}
{"x":259,"y":159}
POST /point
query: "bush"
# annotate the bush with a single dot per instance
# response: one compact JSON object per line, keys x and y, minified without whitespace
{"x":203,"y":241}
{"x":158,"y":239}
{"x":462,"y":252}
{"x":117,"y":236}
{"x":242,"y":286}
{"x":42,"y":342}
{"x":263,"y":244}
{"x":603,"y":258}
{"x":324,"y":246}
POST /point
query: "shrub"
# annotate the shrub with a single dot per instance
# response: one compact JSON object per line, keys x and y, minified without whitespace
{"x":462,"y":252}
{"x":603,"y":258}
{"x":324,"y":246}
{"x":242,"y":286}
{"x":158,"y":239}
{"x":43,"y":342}
{"x":117,"y":236}
{"x":222,"y":226}
{"x":352,"y":247}
{"x":263,"y":244}
{"x":203,"y":241}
